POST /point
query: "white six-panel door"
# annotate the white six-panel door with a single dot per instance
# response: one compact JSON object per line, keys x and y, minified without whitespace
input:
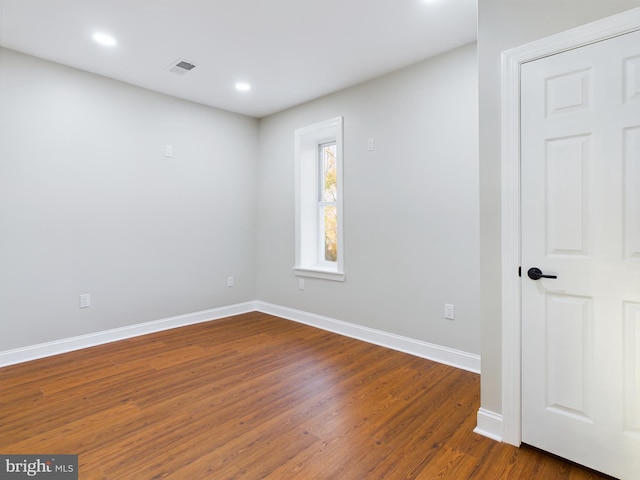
{"x":580,"y":161}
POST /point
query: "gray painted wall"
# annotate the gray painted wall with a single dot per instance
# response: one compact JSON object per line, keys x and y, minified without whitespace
{"x":410,"y":206}
{"x":89,"y":203}
{"x":503,"y":25}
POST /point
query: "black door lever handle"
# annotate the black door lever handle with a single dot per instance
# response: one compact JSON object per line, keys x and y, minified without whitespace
{"x":535,"y":273}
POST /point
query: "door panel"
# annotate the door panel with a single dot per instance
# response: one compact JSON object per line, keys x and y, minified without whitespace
{"x":580,"y":170}
{"x":567,"y":172}
{"x":632,"y":78}
{"x":632,"y":192}
{"x":632,"y":368}
{"x":569,"y":364}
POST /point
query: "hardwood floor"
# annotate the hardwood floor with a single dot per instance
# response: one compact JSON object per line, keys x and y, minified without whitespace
{"x":252,"y":397}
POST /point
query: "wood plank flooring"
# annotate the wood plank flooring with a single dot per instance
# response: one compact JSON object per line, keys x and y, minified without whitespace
{"x":257,"y":397}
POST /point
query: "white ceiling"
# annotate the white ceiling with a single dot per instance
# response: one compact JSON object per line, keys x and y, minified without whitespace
{"x":290,"y":51}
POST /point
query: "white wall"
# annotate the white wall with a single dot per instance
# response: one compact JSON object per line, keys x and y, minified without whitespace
{"x":89,"y":203}
{"x":503,"y":25}
{"x":410,"y":206}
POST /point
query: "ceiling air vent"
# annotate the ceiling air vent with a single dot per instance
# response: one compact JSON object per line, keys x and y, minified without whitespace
{"x":181,"y":67}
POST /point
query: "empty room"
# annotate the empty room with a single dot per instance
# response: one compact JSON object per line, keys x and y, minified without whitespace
{"x":304,"y":239}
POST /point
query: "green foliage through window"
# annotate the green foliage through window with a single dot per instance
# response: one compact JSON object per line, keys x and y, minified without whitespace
{"x":329,"y":196}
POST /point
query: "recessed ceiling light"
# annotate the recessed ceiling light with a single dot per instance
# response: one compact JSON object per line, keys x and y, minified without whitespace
{"x":243,"y":86}
{"x":104,"y":39}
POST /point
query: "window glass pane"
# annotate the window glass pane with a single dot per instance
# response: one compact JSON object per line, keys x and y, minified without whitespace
{"x":330,"y":234}
{"x":329,"y":173}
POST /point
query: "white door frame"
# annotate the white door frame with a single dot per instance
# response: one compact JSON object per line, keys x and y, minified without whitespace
{"x":619,"y":24}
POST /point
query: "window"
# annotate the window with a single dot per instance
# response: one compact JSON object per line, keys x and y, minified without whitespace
{"x":327,"y":203}
{"x":319,"y":245}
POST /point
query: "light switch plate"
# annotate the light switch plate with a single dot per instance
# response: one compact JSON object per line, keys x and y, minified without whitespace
{"x":449,"y":311}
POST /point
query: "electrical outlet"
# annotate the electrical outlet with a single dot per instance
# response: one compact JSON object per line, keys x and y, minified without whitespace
{"x":85,"y":300}
{"x":449,"y":311}
{"x":301,"y":283}
{"x":230,"y":281}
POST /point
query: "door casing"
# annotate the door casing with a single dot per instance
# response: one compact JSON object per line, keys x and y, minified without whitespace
{"x":609,"y":27}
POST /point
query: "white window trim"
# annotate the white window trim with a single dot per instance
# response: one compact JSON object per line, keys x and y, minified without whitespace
{"x":307,"y":246}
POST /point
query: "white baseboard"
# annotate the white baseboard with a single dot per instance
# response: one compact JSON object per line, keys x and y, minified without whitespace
{"x":489,"y":424}
{"x":437,"y":353}
{"x":33,"y":352}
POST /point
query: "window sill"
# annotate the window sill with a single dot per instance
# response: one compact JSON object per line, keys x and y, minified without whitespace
{"x":319,"y":272}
